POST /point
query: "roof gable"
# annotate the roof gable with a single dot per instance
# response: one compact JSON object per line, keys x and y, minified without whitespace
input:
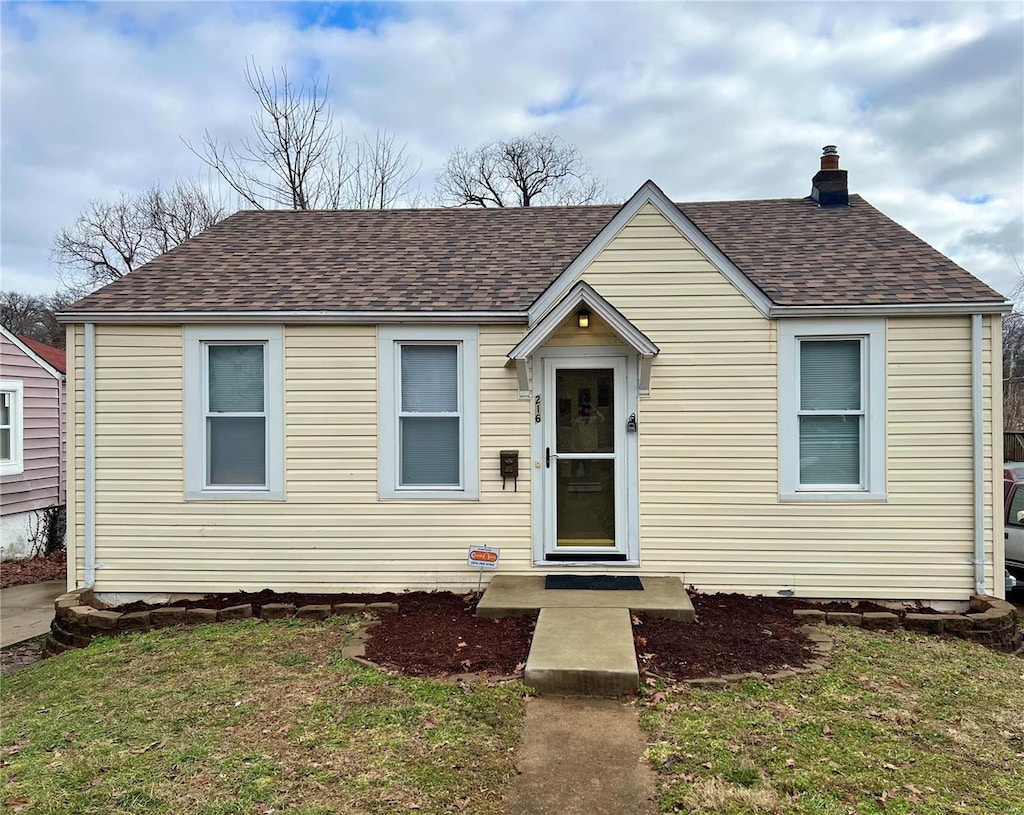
{"x":22,"y":344}
{"x":649,"y":193}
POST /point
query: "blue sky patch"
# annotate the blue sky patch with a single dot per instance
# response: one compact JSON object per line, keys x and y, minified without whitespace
{"x":975,"y":199}
{"x":348,"y":16}
{"x":570,"y":101}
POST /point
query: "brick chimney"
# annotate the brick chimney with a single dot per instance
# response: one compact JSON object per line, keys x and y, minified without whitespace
{"x":829,"y":186}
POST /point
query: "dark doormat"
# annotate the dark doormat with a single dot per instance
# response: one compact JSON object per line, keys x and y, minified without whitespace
{"x":600,"y":582}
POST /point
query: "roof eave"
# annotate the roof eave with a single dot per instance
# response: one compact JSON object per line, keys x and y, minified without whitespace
{"x":294,"y":317}
{"x":891,"y":309}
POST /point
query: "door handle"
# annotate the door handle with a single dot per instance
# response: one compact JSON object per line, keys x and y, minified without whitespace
{"x":547,"y":457}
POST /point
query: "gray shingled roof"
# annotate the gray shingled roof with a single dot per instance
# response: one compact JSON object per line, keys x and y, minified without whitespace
{"x":496,"y":260}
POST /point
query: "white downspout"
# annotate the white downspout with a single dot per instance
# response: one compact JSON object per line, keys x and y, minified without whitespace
{"x":979,"y":453}
{"x":90,"y":455}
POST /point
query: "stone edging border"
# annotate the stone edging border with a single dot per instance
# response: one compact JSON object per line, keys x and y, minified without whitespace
{"x":76,"y":621}
{"x":990,"y":622}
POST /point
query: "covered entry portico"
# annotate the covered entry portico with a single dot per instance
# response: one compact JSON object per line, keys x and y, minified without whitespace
{"x":584,"y":367}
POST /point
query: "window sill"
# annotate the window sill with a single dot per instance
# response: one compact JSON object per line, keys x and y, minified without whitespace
{"x":234,"y":495}
{"x":12,"y":468}
{"x":431,"y":495}
{"x":836,"y":497}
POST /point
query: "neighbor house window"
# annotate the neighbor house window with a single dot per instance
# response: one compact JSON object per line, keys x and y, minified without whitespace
{"x":428,"y":421}
{"x":832,"y":402}
{"x":234,"y":413}
{"x":12,"y":460}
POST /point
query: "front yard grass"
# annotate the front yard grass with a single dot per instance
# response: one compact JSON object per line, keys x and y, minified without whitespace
{"x":248,"y":717}
{"x":897,"y":724}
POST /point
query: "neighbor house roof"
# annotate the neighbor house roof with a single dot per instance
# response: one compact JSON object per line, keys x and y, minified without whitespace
{"x":54,"y":356}
{"x":500,"y":260}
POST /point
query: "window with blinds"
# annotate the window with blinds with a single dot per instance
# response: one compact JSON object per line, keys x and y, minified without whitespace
{"x":235,"y":415}
{"x":831,"y":414}
{"x":429,"y":415}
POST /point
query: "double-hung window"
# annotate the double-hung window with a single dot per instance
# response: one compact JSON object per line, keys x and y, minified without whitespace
{"x":234,"y":432}
{"x":428,"y":413}
{"x":12,"y":459}
{"x":832,"y":405}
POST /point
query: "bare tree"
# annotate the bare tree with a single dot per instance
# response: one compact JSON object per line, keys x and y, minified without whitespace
{"x":298,"y":156}
{"x":1013,"y":360}
{"x":382,"y":174}
{"x":33,"y":316}
{"x":109,"y":239}
{"x":521,"y":172}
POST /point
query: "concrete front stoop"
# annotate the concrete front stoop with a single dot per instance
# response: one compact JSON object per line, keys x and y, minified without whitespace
{"x":583,"y":643}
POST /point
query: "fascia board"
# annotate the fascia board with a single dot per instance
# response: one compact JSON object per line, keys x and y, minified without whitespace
{"x":295,"y":317}
{"x":42,"y":363}
{"x":891,"y":310}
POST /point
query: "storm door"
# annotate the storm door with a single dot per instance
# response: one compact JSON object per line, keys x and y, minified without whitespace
{"x":584,"y":459}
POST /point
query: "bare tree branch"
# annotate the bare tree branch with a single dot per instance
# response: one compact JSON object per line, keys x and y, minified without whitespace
{"x":33,"y":316}
{"x":520,"y":172}
{"x":382,"y":174}
{"x":298,"y":157}
{"x":110,"y":239}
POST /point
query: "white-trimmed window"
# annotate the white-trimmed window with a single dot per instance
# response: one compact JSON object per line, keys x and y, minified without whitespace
{"x":234,"y":413}
{"x":832,"y":409}
{"x":428,"y":421}
{"x":12,"y":424}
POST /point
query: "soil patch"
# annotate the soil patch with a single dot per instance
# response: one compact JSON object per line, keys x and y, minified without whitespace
{"x":33,"y":570}
{"x":15,"y":657}
{"x":439,"y":634}
{"x":733,"y":634}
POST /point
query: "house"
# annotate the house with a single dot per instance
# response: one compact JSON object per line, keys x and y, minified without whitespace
{"x":792,"y":396}
{"x":32,"y":486}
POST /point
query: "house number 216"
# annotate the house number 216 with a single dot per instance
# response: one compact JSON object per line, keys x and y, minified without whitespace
{"x":536,"y":405}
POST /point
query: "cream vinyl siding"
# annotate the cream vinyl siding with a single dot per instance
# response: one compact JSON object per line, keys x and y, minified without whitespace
{"x":709,"y":503}
{"x":331,"y":533}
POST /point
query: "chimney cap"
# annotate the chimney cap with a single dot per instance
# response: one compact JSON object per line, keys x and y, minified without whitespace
{"x":829,"y":150}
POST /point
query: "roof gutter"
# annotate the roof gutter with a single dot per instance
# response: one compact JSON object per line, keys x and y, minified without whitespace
{"x":891,"y":310}
{"x":294,"y":317}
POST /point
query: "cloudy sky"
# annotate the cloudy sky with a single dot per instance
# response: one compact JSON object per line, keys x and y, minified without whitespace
{"x":712,"y":101}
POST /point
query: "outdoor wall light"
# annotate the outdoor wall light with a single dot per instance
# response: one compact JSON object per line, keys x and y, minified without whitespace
{"x":583,"y":318}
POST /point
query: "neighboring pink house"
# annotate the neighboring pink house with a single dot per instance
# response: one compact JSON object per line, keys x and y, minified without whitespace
{"x":32,"y":436}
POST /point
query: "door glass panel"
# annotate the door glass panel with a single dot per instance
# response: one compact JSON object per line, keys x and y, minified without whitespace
{"x":586,"y":502}
{"x":585,"y":410}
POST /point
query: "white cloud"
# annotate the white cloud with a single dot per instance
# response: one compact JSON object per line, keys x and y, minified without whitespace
{"x":712,"y":101}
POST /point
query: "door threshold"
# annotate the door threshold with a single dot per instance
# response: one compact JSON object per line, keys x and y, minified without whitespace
{"x":572,"y":557}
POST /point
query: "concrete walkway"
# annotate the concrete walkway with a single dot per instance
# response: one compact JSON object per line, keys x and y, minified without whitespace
{"x":581,"y":757}
{"x":27,"y":611}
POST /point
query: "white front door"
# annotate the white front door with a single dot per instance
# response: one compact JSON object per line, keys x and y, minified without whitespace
{"x":584,"y":420}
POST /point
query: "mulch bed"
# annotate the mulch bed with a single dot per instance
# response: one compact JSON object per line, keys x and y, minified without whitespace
{"x":733,"y":634}
{"x":33,"y":570}
{"x":432,"y":634}
{"x":439,"y":634}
